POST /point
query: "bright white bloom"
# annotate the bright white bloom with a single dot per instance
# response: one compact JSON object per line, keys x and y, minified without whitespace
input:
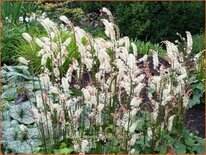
{"x":172,"y":51}
{"x":104,"y":59}
{"x":134,"y":47}
{"x":23,"y":60}
{"x":65,"y":84}
{"x":170,"y":122}
{"x":131,"y":62}
{"x":21,"y":19}
{"x":155,"y":59}
{"x":49,"y":26}
{"x":133,"y":127}
{"x":109,"y":29}
{"x":90,"y":95}
{"x":39,"y":42}
{"x":100,"y":107}
{"x":138,"y":88}
{"x":189,"y":42}
{"x":27,"y":19}
{"x":166,"y":100}
{"x":198,"y":55}
{"x":57,"y":108}
{"x":134,"y":138}
{"x":155,"y":114}
{"x":139,"y":78}
{"x":185,"y":100}
{"x":78,"y":113}
{"x":27,"y":37}
{"x":134,"y":111}
{"x":149,"y":133}
{"x":66,"y":20}
{"x":107,"y":11}
{"x":136,"y":101}
{"x":44,"y":80}
{"x":44,"y":14}
{"x":76,"y":147}
{"x":181,"y":77}
{"x":39,"y":101}
{"x":84,"y":146}
{"x":54,"y":89}
{"x":132,"y":151}
{"x":32,"y":17}
{"x":143,"y":59}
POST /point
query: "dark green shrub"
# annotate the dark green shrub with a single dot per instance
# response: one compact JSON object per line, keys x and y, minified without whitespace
{"x":198,"y":43}
{"x":154,"y":21}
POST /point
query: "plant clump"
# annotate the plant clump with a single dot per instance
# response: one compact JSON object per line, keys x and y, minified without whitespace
{"x":126,"y":105}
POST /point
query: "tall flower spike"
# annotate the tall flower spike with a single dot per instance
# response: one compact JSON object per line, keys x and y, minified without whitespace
{"x":109,"y":14}
{"x":134,"y":47}
{"x":66,"y":21}
{"x":23,"y":60}
{"x":155,"y":59}
{"x":27,"y":37}
{"x":189,"y":42}
{"x":170,"y":122}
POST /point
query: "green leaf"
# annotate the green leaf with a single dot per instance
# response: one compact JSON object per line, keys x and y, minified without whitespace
{"x":189,"y":141}
{"x":84,"y":40}
{"x":180,"y":148}
{"x":10,"y":94}
{"x":163,"y":149}
{"x":200,"y":86}
{"x":6,"y":116}
{"x":22,"y":112}
{"x":14,"y":123}
{"x":20,"y":147}
{"x":5,"y":125}
{"x":151,"y":90}
{"x":66,"y":150}
{"x":200,"y":149}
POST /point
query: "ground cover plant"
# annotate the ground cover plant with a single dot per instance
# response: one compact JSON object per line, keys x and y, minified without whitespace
{"x":108,"y":98}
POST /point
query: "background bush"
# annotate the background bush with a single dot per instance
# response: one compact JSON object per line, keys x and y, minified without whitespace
{"x":154,"y":21}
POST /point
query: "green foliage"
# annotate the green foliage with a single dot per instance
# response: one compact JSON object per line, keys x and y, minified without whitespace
{"x":11,"y":35}
{"x":55,"y":10}
{"x":14,"y":10}
{"x":198,"y":90}
{"x":153,"y":21}
{"x":25,"y":50}
{"x":198,"y":43}
{"x":12,"y":29}
{"x":22,"y":112}
{"x":145,"y":47}
{"x":15,"y":115}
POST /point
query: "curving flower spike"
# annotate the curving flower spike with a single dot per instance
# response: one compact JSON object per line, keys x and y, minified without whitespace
{"x":66,"y":21}
{"x":189,"y":42}
{"x":27,"y":37}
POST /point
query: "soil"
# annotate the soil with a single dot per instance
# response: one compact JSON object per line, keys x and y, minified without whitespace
{"x":195,"y":120}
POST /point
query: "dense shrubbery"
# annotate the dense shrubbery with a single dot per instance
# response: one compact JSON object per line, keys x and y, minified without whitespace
{"x":155,"y":21}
